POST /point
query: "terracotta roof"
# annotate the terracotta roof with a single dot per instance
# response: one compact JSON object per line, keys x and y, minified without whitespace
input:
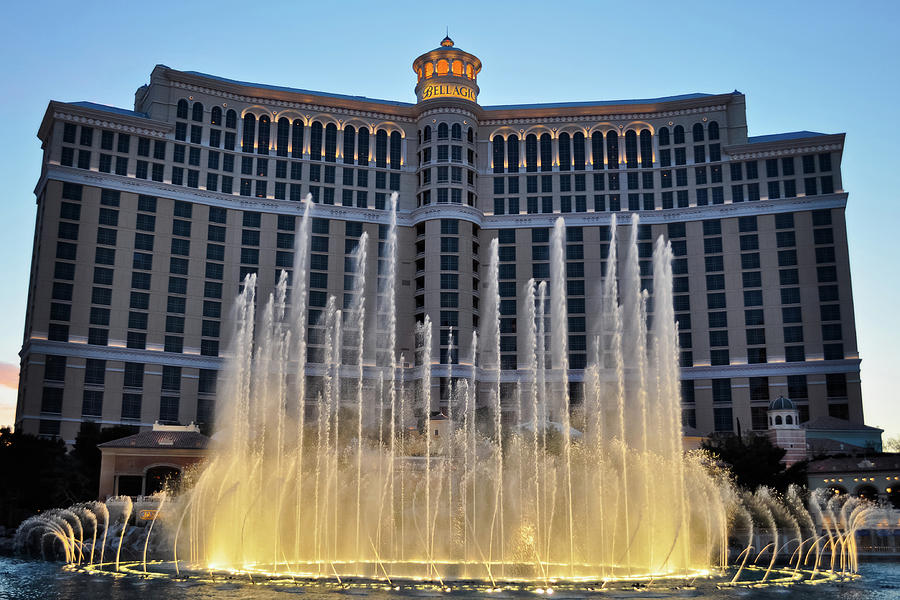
{"x":885,"y":462}
{"x":176,"y":440}
{"x":835,"y":424}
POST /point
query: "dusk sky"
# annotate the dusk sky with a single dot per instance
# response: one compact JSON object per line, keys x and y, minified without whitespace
{"x":822,"y":66}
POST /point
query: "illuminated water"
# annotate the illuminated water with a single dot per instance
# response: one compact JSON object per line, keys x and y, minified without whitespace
{"x":38,"y":580}
{"x":341,"y":475}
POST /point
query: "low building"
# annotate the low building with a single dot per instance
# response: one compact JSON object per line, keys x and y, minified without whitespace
{"x":871,"y":477}
{"x":142,"y":464}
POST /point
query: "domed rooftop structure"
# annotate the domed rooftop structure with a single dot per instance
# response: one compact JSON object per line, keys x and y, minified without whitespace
{"x":447,"y":72}
{"x":781,"y":403}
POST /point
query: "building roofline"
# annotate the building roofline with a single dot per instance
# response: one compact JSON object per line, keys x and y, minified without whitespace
{"x":100,"y":115}
{"x":783,"y":141}
{"x":408,"y":109}
{"x":608,"y":107}
{"x":286,"y":94}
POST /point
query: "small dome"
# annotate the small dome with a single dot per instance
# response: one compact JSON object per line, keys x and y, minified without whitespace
{"x":446,"y":42}
{"x":781,"y":403}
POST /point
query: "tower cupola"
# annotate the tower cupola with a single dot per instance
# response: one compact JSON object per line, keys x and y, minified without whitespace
{"x":447,"y":72}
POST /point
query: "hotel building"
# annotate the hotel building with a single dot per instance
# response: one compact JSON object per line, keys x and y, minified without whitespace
{"x":148,"y":220}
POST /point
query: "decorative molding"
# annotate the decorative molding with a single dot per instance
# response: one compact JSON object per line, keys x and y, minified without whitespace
{"x":177,"y":192}
{"x":194,"y":361}
{"x":414,"y":373}
{"x":295,"y":105}
{"x":83,"y":120}
{"x":781,"y":369}
{"x":601,"y":117}
{"x":671,"y":215}
{"x":409,"y":218}
{"x":806,"y":149}
{"x":451,"y":110}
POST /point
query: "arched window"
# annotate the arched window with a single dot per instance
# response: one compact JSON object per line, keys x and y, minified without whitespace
{"x":531,"y":150}
{"x":546,"y":152}
{"x":578,"y":151}
{"x":362,"y":154}
{"x":262,"y":146}
{"x":297,"y":139}
{"x":330,"y":142}
{"x":678,"y":134}
{"x":470,"y":135}
{"x":512,"y":153}
{"x":396,"y":149}
{"x":565,"y":159}
{"x":381,"y":142}
{"x":597,"y":149}
{"x":646,"y":149}
{"x":281,"y":136}
{"x":429,"y":70}
{"x":443,"y":67}
{"x":456,"y":131}
{"x":182,"y":111}
{"x":419,"y":73}
{"x":631,"y":159}
{"x":457,"y":67}
{"x":697,"y":132}
{"x":231,"y":119}
{"x":663,"y":136}
{"x":498,"y":154}
{"x":778,"y":419}
{"x":789,"y":420}
{"x":215,"y":116}
{"x":442,"y":131}
{"x":612,"y":150}
{"x":349,"y":143}
{"x":470,"y":72}
{"x":315,"y":141}
{"x":713,"y":130}
{"x":197,"y":112}
{"x":249,"y":132}
{"x":426,"y":135}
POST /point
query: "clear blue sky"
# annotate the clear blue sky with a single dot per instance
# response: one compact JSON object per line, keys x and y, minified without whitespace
{"x":823,"y":66}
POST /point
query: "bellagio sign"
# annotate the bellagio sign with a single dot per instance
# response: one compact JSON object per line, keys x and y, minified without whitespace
{"x":447,"y":90}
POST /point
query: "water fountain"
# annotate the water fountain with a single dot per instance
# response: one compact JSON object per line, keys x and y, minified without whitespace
{"x":336,"y":474}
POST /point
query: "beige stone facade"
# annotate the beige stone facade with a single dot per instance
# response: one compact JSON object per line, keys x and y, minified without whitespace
{"x":149,"y":218}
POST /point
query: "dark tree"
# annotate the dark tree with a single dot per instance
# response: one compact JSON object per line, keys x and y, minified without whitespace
{"x":755,"y":461}
{"x":34,"y":473}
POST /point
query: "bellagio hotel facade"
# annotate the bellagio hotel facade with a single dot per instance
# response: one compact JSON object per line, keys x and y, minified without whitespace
{"x":149,"y":219}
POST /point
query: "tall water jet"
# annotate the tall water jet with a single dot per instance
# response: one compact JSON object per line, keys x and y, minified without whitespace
{"x":511,"y":489}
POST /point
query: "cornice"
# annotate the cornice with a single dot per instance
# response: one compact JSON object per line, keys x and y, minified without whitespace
{"x":781,"y":369}
{"x":117,"y":353}
{"x":99,"y":118}
{"x":671,"y":215}
{"x":449,"y":109}
{"x":793,"y":147}
{"x":586,"y":115}
{"x":444,"y":211}
{"x":303,"y":106}
{"x":407,"y":218}
{"x":176,"y":192}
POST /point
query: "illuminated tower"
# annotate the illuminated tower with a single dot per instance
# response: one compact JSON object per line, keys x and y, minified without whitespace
{"x":447,"y":213}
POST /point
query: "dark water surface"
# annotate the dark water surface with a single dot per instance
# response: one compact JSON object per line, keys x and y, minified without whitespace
{"x":36,"y":580}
